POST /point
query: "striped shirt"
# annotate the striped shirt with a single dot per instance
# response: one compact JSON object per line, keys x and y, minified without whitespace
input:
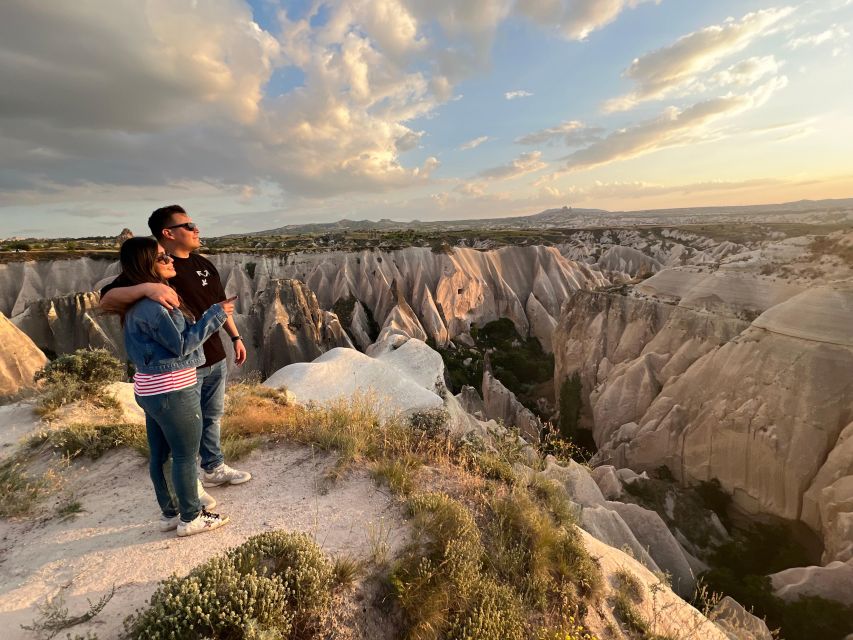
{"x":152,"y":384}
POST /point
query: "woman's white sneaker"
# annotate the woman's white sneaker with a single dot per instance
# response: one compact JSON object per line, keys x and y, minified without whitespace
{"x":204,"y":522}
{"x":169,"y":524}
{"x":223,"y":474}
{"x":207,"y":500}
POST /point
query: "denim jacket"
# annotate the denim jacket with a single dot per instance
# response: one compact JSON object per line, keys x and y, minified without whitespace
{"x":158,"y":340}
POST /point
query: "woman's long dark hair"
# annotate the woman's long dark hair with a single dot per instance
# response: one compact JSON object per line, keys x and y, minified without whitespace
{"x":138,"y":258}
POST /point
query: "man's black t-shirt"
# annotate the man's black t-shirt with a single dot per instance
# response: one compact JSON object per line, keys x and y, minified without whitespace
{"x":198,"y":283}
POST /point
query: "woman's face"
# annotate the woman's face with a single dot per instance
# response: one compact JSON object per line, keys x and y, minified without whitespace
{"x":163,"y":264}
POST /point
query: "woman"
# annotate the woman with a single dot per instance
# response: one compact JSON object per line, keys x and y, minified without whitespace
{"x":166,"y":347}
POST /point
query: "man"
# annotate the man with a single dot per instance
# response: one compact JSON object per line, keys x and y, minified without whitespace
{"x":198,"y":284}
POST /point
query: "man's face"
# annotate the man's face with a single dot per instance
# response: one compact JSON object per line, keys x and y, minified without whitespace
{"x":179,"y":237}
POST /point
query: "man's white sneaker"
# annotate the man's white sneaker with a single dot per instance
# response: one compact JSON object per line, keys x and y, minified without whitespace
{"x":204,"y":522}
{"x":223,"y":474}
{"x":169,"y":524}
{"x":207,"y":500}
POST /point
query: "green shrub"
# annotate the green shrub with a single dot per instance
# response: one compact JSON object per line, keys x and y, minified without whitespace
{"x":545,"y":561}
{"x":264,"y":589}
{"x":295,"y":559}
{"x":94,"y":440}
{"x":493,"y":612}
{"x":440,"y":570}
{"x":74,"y":376}
{"x":216,"y":601}
{"x":431,"y":421}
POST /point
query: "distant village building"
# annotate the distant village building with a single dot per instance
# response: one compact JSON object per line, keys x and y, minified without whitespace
{"x":124,"y":235}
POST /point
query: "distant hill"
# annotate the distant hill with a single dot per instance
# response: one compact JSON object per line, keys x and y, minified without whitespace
{"x":804,"y":211}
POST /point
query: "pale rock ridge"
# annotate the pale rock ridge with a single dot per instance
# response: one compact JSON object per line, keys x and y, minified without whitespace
{"x":738,"y":623}
{"x":712,"y":397}
{"x":622,"y":525}
{"x":404,"y":382}
{"x":628,"y":261}
{"x":828,"y":502}
{"x":20,"y":360}
{"x":290,"y":325}
{"x":70,"y":322}
{"x":833,"y":581}
{"x":819,"y":314}
{"x":725,"y":292}
{"x":446,"y":292}
{"x":23,"y":283}
{"x":499,"y":403}
{"x":601,"y":336}
{"x":359,"y":326}
{"x":651,"y":532}
{"x":542,"y":324}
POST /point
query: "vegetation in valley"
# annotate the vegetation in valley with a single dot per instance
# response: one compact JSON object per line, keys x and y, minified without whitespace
{"x":741,"y":563}
{"x":519,"y":363}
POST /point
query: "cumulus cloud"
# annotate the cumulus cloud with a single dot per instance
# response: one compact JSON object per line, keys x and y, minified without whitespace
{"x":571,"y":133}
{"x":473,"y":144}
{"x":660,"y":72}
{"x":512,"y":95}
{"x":673,"y":127}
{"x":575,"y":19}
{"x":528,"y":162}
{"x":183,"y":98}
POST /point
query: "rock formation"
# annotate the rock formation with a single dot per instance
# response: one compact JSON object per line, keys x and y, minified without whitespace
{"x":405,"y":380}
{"x":499,"y":403}
{"x":23,"y":283}
{"x":415,"y":289}
{"x":286,"y":325}
{"x":67,"y":323}
{"x":760,"y":407}
{"x":20,"y":360}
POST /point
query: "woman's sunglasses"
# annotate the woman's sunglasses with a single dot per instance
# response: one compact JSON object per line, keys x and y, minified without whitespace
{"x":189,"y":226}
{"x":164,"y":258}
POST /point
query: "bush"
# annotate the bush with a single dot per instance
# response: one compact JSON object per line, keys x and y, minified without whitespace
{"x":74,"y":376}
{"x":295,"y":559}
{"x":493,"y":612}
{"x":94,"y":440}
{"x":263,"y":590}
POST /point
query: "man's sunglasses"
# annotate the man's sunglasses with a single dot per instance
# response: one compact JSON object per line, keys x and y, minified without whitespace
{"x":164,"y":258}
{"x":189,"y":226}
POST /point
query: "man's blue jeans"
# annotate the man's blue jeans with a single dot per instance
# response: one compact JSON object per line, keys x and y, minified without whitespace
{"x":211,"y":382}
{"x":173,"y":426}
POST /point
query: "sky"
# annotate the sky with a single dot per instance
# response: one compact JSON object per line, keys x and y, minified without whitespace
{"x":253,"y":115}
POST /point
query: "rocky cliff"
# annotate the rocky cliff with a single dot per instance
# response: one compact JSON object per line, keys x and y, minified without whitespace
{"x":760,"y":406}
{"x":66,"y":323}
{"x":413,"y":291}
{"x":20,"y":360}
{"x":428,"y":294}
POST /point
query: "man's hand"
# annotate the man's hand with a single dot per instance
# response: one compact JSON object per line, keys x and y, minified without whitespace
{"x":239,"y":352}
{"x":164,"y":294}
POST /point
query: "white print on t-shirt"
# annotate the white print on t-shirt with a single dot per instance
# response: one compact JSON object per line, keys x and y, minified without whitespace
{"x":203,"y":275}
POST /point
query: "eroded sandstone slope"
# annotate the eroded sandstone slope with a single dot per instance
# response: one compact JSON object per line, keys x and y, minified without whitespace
{"x":760,"y":406}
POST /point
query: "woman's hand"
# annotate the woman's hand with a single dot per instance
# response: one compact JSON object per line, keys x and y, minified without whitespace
{"x":228,"y":306}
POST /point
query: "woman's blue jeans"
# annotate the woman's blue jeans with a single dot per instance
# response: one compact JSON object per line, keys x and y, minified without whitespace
{"x":173,"y":426}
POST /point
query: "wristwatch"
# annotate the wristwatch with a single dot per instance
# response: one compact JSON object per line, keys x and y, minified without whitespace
{"x":235,"y":338}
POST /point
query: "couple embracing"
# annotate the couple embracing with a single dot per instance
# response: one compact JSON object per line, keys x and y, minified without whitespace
{"x":172,"y":305}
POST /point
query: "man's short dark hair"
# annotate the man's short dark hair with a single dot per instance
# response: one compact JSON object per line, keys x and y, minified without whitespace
{"x":161,"y":218}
